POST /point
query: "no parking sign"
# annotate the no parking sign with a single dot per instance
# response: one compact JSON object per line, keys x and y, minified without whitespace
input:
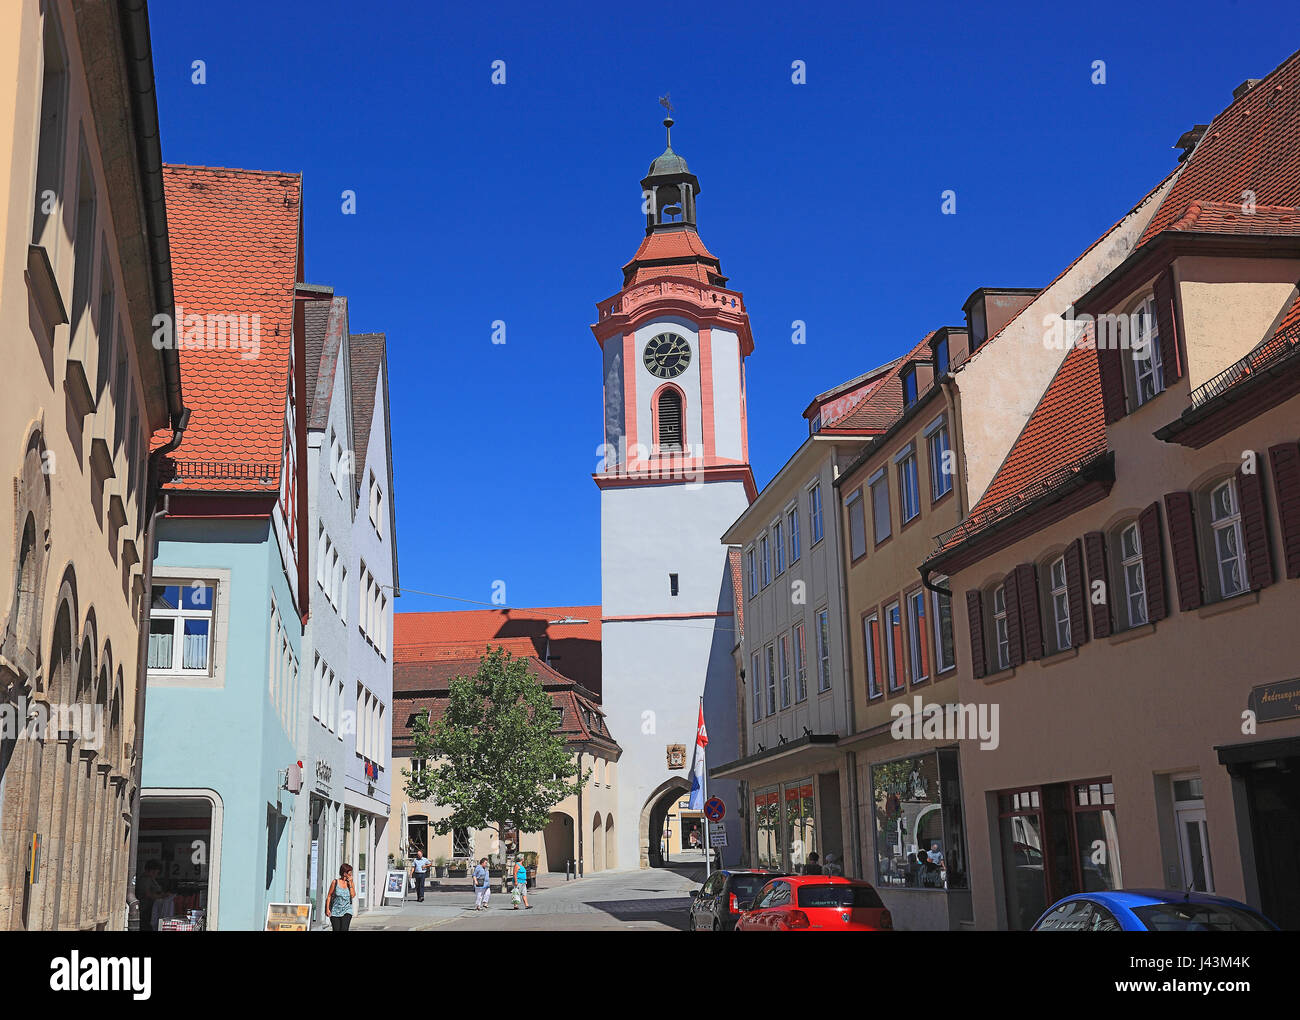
{"x":714,"y":809}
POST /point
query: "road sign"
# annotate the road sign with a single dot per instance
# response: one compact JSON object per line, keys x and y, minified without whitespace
{"x":718,"y":839}
{"x":714,"y":809}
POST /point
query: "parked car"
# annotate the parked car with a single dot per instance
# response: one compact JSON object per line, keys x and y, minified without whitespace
{"x":716,"y":904}
{"x":1151,"y":910}
{"x":816,"y":903}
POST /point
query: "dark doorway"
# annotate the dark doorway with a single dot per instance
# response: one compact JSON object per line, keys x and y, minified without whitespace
{"x":1274,"y":798}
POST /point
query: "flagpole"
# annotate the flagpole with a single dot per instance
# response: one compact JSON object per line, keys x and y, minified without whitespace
{"x":708,"y":838}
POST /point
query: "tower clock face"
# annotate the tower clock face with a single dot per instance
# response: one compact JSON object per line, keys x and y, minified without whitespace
{"x":667,"y":355}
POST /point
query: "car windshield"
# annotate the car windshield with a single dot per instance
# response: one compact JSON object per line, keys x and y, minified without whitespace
{"x":838,"y":896}
{"x":746,"y":886}
{"x":1199,"y":917}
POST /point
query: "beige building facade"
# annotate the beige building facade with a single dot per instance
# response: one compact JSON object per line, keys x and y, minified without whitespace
{"x":82,"y":275}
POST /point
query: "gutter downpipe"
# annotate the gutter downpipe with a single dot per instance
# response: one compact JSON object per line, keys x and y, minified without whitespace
{"x":949,"y":387}
{"x":138,"y":53}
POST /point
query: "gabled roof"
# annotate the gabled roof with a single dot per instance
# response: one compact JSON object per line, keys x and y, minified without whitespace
{"x":234,"y":237}
{"x":878,"y":409}
{"x":737,"y":591}
{"x":326,"y":324}
{"x":424,"y":686}
{"x":673,"y":253}
{"x":367,"y":353}
{"x":574,"y":648}
{"x":1250,"y":147}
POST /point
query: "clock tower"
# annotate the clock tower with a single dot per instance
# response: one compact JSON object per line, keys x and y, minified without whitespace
{"x":673,"y":476}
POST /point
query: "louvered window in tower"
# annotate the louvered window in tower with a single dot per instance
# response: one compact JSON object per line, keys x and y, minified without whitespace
{"x":670,"y":420}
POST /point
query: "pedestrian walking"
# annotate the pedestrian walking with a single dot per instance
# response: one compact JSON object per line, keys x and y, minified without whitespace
{"x":482,"y":885}
{"x":521,"y":886}
{"x":339,"y":902}
{"x":419,"y":873}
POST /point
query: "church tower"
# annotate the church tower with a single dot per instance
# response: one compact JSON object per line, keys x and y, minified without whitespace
{"x":675,"y":474}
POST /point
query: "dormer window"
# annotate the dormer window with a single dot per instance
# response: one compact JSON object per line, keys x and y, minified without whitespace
{"x":1147,"y":373}
{"x":941,"y":357}
{"x":817,"y":422}
{"x":909,"y":387}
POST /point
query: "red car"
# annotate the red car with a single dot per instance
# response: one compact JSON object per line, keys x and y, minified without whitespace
{"x":816,"y":903}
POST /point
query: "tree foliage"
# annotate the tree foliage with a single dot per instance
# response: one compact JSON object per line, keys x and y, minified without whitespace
{"x":496,"y":756}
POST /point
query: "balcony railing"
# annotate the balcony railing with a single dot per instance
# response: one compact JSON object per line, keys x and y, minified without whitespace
{"x":1273,"y":350}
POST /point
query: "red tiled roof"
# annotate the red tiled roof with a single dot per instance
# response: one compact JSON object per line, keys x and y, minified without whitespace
{"x":234,"y":237}
{"x":703,"y":266}
{"x":884,"y":403}
{"x":421,"y":686}
{"x":1250,"y":146}
{"x":1231,"y":218}
{"x":1067,"y":425}
{"x":574,"y":648}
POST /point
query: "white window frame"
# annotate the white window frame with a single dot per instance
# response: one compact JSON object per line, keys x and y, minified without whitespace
{"x":878,"y":483}
{"x":770,"y":679}
{"x":942,"y":664}
{"x":815,"y":519}
{"x":1131,"y":565}
{"x":915,"y":634}
{"x":855,"y":510}
{"x":1229,"y":524}
{"x":765,"y":559}
{"x":778,"y":544}
{"x":936,"y":442}
{"x":783,"y":644}
{"x":751,"y":562}
{"x":870,"y":657}
{"x":1001,"y":635}
{"x":909,"y":485}
{"x":893,"y":668}
{"x":756,"y":678}
{"x":218,"y":632}
{"x":792,"y":519}
{"x":1151,"y":368}
{"x":799,"y":639}
{"x":823,"y":621}
{"x":1058,"y":585}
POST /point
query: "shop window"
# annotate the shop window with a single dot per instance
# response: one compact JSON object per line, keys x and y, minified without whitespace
{"x":800,"y":823}
{"x":767,"y":829}
{"x":1056,"y":840}
{"x":920,"y":827}
{"x":461,"y":844}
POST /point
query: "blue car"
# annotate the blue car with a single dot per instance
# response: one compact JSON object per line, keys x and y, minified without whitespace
{"x":1151,"y":910}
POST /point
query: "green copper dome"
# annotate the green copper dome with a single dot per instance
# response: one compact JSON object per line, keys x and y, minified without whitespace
{"x":668,"y":163}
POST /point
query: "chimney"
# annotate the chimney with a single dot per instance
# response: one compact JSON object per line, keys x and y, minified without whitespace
{"x":1189,"y":139}
{"x":1245,"y":87}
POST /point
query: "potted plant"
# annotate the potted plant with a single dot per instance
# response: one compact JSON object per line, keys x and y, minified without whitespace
{"x":440,"y":867}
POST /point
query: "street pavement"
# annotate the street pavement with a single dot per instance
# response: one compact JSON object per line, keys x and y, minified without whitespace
{"x":650,"y":900}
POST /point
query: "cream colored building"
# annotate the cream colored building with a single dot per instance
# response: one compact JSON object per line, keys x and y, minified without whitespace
{"x":581,"y":827}
{"x":83,"y":270}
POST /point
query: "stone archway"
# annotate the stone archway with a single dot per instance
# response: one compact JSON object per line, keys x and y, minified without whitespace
{"x":653,"y":813}
{"x":558,"y":841}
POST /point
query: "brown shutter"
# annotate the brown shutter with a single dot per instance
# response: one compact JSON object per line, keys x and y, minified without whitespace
{"x":1167,"y":326}
{"x":1015,"y":640}
{"x":1112,"y":382}
{"x":1254,"y":528}
{"x":975,"y":616}
{"x":1153,"y":562}
{"x":1285,"y":461}
{"x":1182,"y":541}
{"x":1031,"y":618}
{"x":1074,"y":590}
{"x":1094,"y":552}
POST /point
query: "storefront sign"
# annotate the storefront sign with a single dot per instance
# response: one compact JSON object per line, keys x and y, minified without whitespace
{"x":324,"y":775}
{"x":1271,"y":702}
{"x":395,"y":886}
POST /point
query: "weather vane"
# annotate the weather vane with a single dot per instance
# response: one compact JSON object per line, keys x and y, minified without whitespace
{"x":666,"y":102}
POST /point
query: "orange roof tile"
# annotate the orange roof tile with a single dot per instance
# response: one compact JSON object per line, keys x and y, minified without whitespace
{"x":701,"y":265}
{"x":884,"y":401}
{"x":234,"y":237}
{"x":737,"y":591}
{"x":1250,"y":146}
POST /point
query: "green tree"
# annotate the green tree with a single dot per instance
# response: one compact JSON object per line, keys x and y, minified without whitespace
{"x":496,"y":755}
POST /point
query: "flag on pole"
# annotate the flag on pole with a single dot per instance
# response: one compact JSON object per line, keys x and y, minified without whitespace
{"x":697,"y":764}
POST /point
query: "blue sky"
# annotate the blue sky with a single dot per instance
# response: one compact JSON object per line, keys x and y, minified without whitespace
{"x":520,"y":202}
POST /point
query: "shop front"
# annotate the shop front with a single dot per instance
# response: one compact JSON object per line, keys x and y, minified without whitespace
{"x":179,"y":859}
{"x":918,"y":859}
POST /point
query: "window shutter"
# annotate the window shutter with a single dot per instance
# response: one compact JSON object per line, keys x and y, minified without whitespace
{"x":1182,"y":540}
{"x":670,"y":420}
{"x":1075,"y":595}
{"x":1167,"y":326}
{"x":1112,"y":383}
{"x":1031,"y":619}
{"x":1094,"y":552}
{"x":1285,"y":460}
{"x":1015,"y":638}
{"x":1254,"y":528}
{"x":975,"y":617}
{"x":1153,"y":562}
